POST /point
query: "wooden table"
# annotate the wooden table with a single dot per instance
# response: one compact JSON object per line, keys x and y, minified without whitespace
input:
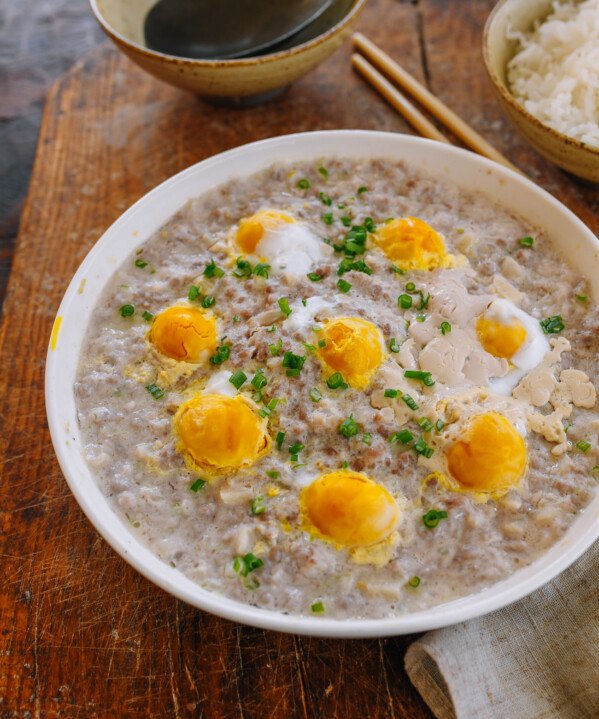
{"x":81,"y":633}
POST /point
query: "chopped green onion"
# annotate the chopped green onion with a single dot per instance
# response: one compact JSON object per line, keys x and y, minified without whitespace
{"x":141,"y":263}
{"x":398,"y":270}
{"x":155,"y":391}
{"x":246,"y":564}
{"x":327,"y":218}
{"x":369,"y":224}
{"x":322,"y":343}
{"x":296,"y":448}
{"x":552,"y":325}
{"x":314,"y":277}
{"x":414,"y":582}
{"x":148,"y":316}
{"x":293,"y":363}
{"x":208,"y":301}
{"x":404,"y":301}
{"x":317,"y":607}
{"x":349,"y":427}
{"x":272,"y":328}
{"x":197,"y":485}
{"x":391,"y":393}
{"x":410,"y":287}
{"x":423,"y":300}
{"x":279,"y":439}
{"x":432,"y":518}
{"x":445,"y":328}
{"x":362,"y":190}
{"x":261,"y":270}
{"x":127,"y":310}
{"x":284,"y":306}
{"x":309,"y":347}
{"x":324,"y":172}
{"x":303,"y":184}
{"x":527,"y":241}
{"x":341,"y":205}
{"x":237,"y":378}
{"x":325,"y":199}
{"x":439,"y":424}
{"x":582,"y":298}
{"x":404,"y":436}
{"x":211,"y":270}
{"x":257,"y":506}
{"x":259,"y":380}
{"x":410,"y":402}
{"x":421,"y":447}
{"x":343,"y":285}
{"x":345,"y":220}
{"x":426,"y":424}
{"x":244,"y":268}
{"x":336,"y":381}
{"x":425,"y":377}
{"x":276,"y":349}
{"x":393,"y":346}
{"x":272,"y":473}
{"x":420,"y":318}
{"x":315,"y":394}
{"x":583,"y":445}
{"x":367,"y":438}
{"x":222,"y":353}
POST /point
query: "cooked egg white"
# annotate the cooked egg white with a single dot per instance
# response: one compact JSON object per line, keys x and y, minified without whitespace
{"x":507,"y":332}
{"x":217,"y":433}
{"x":184,"y":333}
{"x":352,"y":346}
{"x":278,"y":239}
{"x":412,"y":244}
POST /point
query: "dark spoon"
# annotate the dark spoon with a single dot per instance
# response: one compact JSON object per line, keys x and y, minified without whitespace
{"x":226,"y":29}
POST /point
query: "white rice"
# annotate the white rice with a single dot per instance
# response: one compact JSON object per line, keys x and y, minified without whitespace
{"x":555,"y":74}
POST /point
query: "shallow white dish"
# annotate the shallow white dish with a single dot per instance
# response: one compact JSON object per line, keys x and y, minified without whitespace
{"x":461,"y":167}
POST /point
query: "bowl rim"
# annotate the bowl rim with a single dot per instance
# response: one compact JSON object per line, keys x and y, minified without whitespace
{"x":509,"y":97}
{"x":236,"y":62}
{"x":131,"y":548}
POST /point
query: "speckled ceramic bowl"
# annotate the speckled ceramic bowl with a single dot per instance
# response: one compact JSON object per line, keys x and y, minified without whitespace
{"x":251,"y":79}
{"x":569,"y":154}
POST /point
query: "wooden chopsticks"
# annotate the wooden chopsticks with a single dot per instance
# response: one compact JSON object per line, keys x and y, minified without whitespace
{"x":431,"y":103}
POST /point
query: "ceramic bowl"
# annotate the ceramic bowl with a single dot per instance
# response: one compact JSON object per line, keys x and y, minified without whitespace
{"x":566,"y":152}
{"x":460,"y":168}
{"x":251,"y":79}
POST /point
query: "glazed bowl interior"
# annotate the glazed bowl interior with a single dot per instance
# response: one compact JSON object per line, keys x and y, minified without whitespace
{"x":499,"y":47}
{"x":451,"y":164}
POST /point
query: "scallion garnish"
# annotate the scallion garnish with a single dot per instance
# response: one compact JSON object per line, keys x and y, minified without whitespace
{"x":410,"y":402}
{"x":238,"y":378}
{"x":197,"y":485}
{"x":391,"y":393}
{"x":156,"y":391}
{"x":272,"y":473}
{"x":398,"y":270}
{"x":404,"y":301}
{"x":317,"y":607}
{"x":343,"y":285}
{"x":244,"y":268}
{"x":404,"y":436}
{"x":293,"y":363}
{"x":367,"y":438}
{"x":284,"y":306}
{"x":262,"y":270}
{"x":325,"y":199}
{"x":583,"y":445}
{"x":127,"y":310}
{"x":439,"y":424}
{"x":393,"y":346}
{"x":259,"y":380}
{"x":208,"y":301}
{"x":410,"y":287}
{"x":526,"y":241}
{"x":279,"y":439}
{"x":315,"y":394}
{"x":362,"y":190}
{"x":212,"y":270}
{"x":276,"y":349}
{"x":314,"y":277}
{"x":336,"y":381}
{"x":552,"y":325}
{"x":414,"y":582}
{"x":141,"y":263}
{"x":425,"y":377}
{"x":246,"y":564}
{"x":425,"y":423}
{"x":345,"y":220}
{"x":323,"y":172}
{"x":582,"y":298}
{"x":432,"y":518}
{"x":148,"y":316}
{"x":322,"y":343}
{"x":295,"y":449}
{"x":423,"y":300}
{"x":222,"y":353}
{"x":304,"y":184}
{"x":421,"y":447}
{"x":327,"y":218}
{"x":445,"y":328}
{"x":349,"y":427}
{"x":257,"y":505}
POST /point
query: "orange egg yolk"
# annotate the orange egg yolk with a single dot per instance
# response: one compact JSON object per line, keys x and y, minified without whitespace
{"x":499,"y":339}
{"x":219,"y":433}
{"x":251,"y":229}
{"x":349,"y":509}
{"x":184,"y":333}
{"x":353,"y":347}
{"x":412,"y":244}
{"x":491,"y":456}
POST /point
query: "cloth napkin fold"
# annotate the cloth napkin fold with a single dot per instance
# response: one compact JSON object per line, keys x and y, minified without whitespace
{"x":536,"y":659}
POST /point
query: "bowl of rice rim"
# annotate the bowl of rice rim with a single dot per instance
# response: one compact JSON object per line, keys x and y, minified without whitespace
{"x":543,"y":59}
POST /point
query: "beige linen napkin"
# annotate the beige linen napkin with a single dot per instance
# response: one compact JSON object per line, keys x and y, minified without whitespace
{"x":536,"y":659}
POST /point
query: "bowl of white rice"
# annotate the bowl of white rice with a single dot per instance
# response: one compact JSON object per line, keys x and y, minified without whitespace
{"x":543,"y":59}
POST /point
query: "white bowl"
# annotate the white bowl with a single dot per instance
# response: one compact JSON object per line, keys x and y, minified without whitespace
{"x":460,"y":167}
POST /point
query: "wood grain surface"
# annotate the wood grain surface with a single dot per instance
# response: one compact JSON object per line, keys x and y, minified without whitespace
{"x":81,"y":633}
